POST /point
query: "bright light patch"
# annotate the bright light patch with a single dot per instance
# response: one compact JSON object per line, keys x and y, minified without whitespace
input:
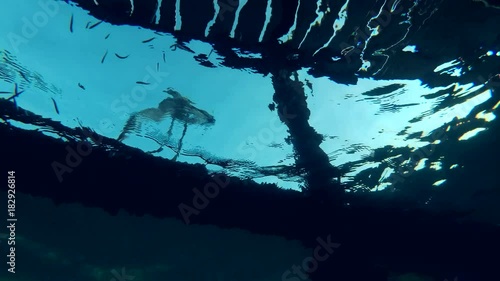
{"x":278,"y":181}
{"x":365,"y":66}
{"x":386,"y":173}
{"x":457,"y":72}
{"x":131,"y":7}
{"x":178,"y":18}
{"x":420,"y":165}
{"x":465,"y":89}
{"x":454,"y":166}
{"x":381,"y":186}
{"x":410,"y":48}
{"x":241,"y":4}
{"x":337,"y":25}
{"x":447,"y":65}
{"x":487,"y":116}
{"x":158,"y":13}
{"x":28,"y":127}
{"x":453,"y":72}
{"x":212,"y":22}
{"x":439,"y":182}
{"x":471,"y":134}
{"x":287,"y":37}
{"x":267,"y":21}
{"x":246,"y":54}
{"x":496,"y":105}
{"x":436,"y":166}
{"x":395,"y":5}
{"x":462,"y":110}
{"x":320,"y":14}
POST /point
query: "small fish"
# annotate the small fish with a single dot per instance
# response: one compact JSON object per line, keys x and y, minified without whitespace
{"x":55,"y":105}
{"x":180,"y":46}
{"x":81,"y":86}
{"x":121,"y":57}
{"x":149,"y":40}
{"x":142,"y":83}
{"x":104,"y":57}
{"x":157,"y":66}
{"x":71,"y":24}
{"x":164,"y":60}
{"x":87,"y":26}
{"x":5,"y":92}
{"x":107,"y":36}
{"x":24,"y":76}
{"x":95,"y":24}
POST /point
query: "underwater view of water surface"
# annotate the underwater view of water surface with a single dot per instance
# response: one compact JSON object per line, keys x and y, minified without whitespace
{"x":250,"y":140}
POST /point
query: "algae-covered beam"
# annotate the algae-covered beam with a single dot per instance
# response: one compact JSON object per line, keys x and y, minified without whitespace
{"x":322,"y":179}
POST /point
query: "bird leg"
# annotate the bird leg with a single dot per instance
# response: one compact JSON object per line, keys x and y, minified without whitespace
{"x":169,"y":133}
{"x":179,"y":147}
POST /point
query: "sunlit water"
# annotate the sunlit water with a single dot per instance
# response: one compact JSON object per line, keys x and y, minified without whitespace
{"x":99,"y":75}
{"x":92,"y":86}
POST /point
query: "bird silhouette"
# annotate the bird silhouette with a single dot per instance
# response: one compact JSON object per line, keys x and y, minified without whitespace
{"x":176,"y":107}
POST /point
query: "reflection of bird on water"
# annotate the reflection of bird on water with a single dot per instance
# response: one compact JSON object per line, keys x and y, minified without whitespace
{"x":176,"y":107}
